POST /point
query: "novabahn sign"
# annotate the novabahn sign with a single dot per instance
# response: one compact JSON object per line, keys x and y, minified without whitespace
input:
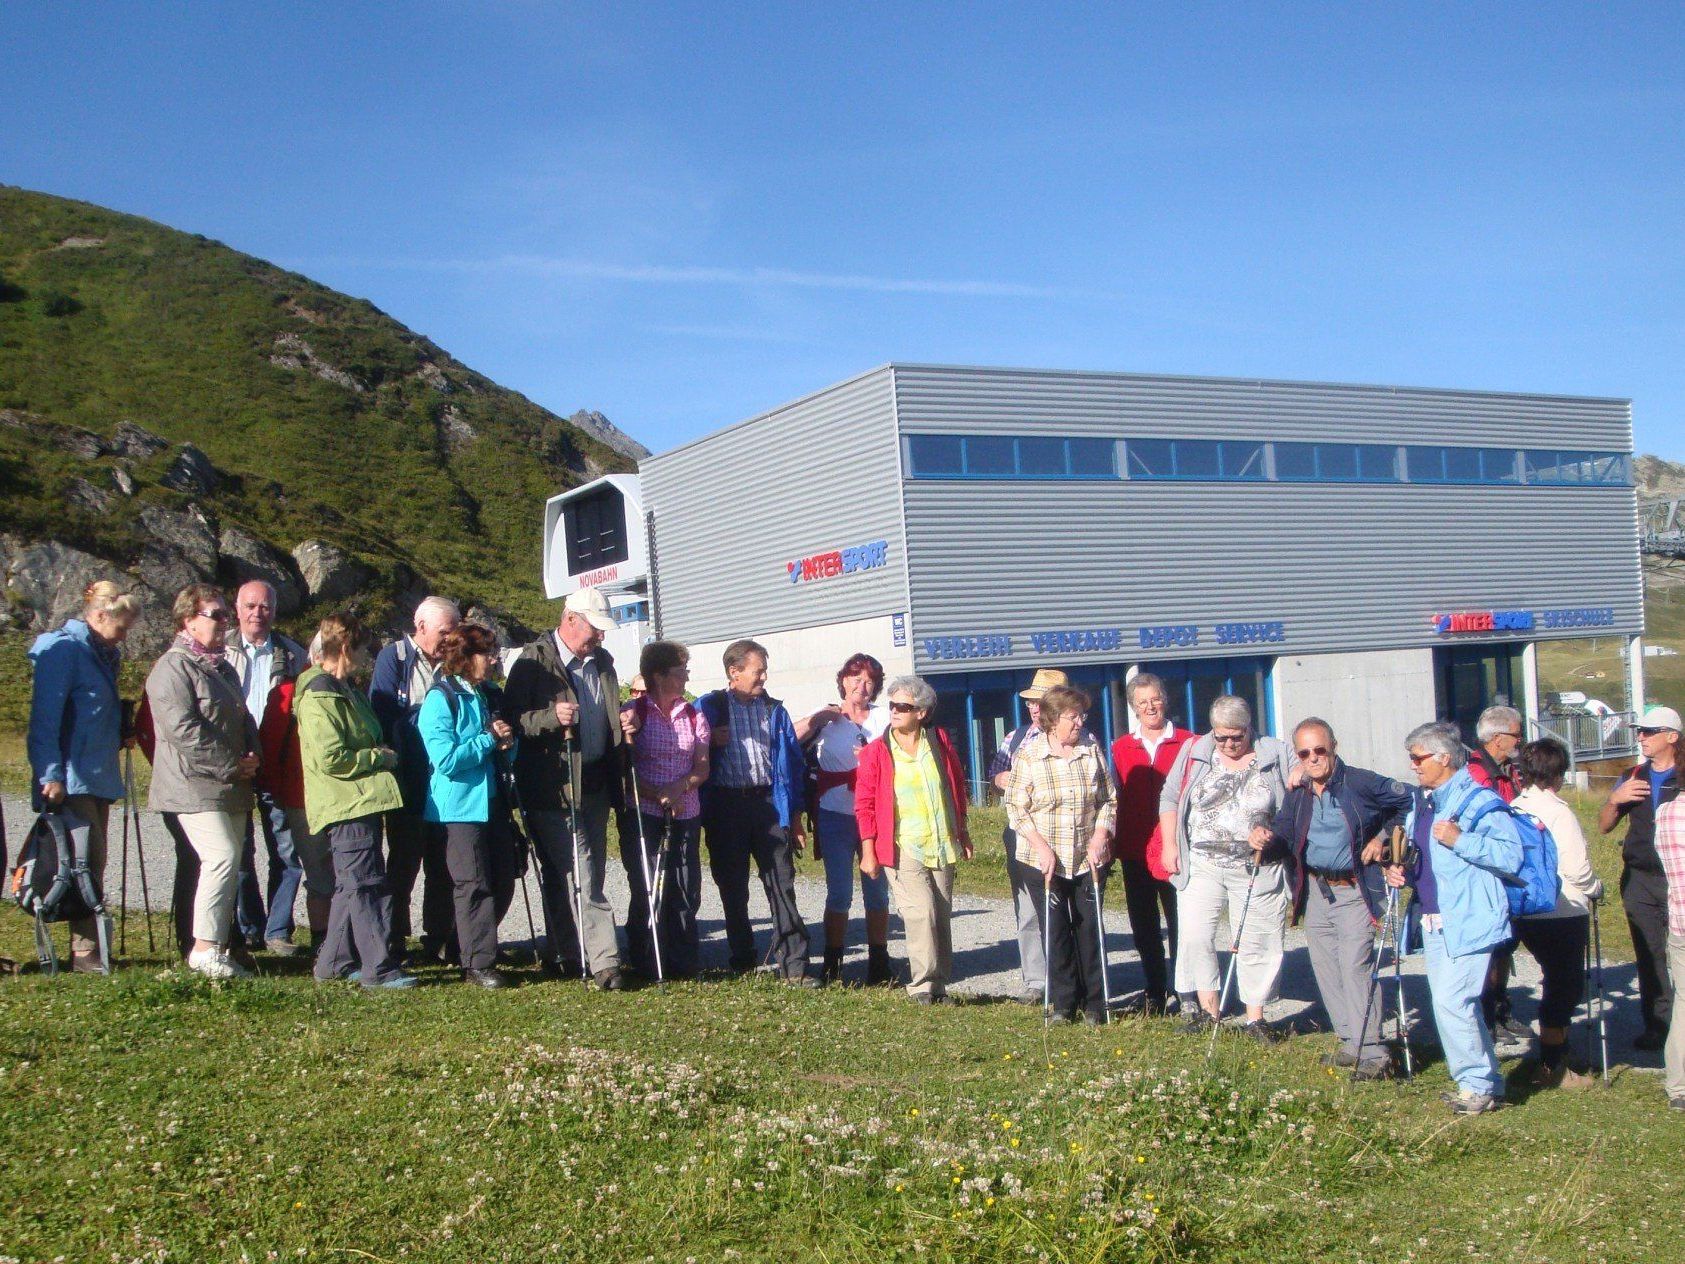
{"x":863,"y":557}
{"x":590,"y":579}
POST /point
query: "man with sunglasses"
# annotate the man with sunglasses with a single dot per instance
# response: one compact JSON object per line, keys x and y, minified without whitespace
{"x":1330,"y":824}
{"x":1637,"y":798}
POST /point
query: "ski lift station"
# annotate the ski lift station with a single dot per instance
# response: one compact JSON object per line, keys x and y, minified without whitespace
{"x":1376,"y":556}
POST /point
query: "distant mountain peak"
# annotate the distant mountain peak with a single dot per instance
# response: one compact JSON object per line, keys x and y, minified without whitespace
{"x":606,"y":432}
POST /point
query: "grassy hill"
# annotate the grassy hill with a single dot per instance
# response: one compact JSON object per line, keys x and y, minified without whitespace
{"x":332,"y":420}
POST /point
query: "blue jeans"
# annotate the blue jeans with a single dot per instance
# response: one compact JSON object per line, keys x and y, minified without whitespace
{"x":839,"y":848}
{"x":1456,"y":984}
{"x":286,"y":872}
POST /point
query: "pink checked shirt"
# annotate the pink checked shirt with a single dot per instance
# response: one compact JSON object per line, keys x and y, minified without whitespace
{"x":664,"y":749}
{"x":1670,"y":846}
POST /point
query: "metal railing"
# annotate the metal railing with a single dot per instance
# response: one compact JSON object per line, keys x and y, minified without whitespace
{"x":1589,"y":737}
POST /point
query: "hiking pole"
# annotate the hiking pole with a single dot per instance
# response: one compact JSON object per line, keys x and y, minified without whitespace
{"x":1234,"y":954}
{"x":1602,"y":1024}
{"x":123,"y":884}
{"x":1046,"y":947}
{"x":140,"y":847}
{"x":569,"y":750}
{"x":643,"y":867}
{"x":1398,"y":979}
{"x":1379,"y":945}
{"x":1100,"y":931}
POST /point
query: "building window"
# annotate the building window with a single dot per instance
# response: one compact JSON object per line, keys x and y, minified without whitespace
{"x":1009,"y":456}
{"x":595,"y":527}
{"x":1247,"y":461}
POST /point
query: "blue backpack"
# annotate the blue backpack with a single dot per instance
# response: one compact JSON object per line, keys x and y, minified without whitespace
{"x":1531,"y":889}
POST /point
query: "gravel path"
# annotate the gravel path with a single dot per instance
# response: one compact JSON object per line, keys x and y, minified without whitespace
{"x":985,"y":942}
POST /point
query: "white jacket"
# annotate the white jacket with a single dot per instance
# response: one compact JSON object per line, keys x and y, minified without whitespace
{"x":1577,"y":883}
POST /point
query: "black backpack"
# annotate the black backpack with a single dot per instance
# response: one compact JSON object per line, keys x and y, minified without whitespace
{"x":53,"y":882}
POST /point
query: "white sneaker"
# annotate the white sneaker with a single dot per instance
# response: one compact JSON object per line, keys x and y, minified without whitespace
{"x":215,"y":963}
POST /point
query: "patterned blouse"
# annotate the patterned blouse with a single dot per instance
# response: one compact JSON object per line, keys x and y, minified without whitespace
{"x":664,"y":749}
{"x":924,"y":822}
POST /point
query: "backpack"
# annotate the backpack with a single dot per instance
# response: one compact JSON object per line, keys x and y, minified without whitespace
{"x":53,"y":882}
{"x":1532,"y":889}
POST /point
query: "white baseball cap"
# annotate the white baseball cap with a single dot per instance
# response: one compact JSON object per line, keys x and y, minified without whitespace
{"x":1659,"y":718}
{"x":592,"y":606}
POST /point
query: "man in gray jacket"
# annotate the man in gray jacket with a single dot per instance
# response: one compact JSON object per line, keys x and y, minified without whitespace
{"x":261,"y":658}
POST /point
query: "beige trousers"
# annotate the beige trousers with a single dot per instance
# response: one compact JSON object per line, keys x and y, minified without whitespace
{"x":925,"y":900}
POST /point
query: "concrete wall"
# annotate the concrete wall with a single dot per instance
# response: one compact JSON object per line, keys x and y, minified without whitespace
{"x":803,"y":664}
{"x":1372,"y":699}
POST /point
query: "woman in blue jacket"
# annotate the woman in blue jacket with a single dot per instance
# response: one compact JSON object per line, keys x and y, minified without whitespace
{"x":75,"y":729}
{"x":1464,"y":848}
{"x":463,"y":743}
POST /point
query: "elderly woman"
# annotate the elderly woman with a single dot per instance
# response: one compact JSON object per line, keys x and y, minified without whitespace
{"x":909,"y":804}
{"x":838,"y":733}
{"x":75,"y":730}
{"x":282,"y":778}
{"x":670,"y":752}
{"x":349,"y":781}
{"x":203,"y":762}
{"x":1463,"y":850}
{"x":1061,"y":807}
{"x":464,"y":738}
{"x":1557,"y":939}
{"x":1221,"y":786}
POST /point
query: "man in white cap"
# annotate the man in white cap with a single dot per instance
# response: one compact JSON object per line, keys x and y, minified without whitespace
{"x":1025,"y":879}
{"x":563,"y":698}
{"x":1637,"y":798}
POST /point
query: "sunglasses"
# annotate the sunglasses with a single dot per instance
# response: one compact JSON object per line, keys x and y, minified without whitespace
{"x":215,"y":616}
{"x":1309,"y":751}
{"x":1229,"y":739}
{"x":1650,"y":732}
{"x":1419,"y":760}
{"x":903,"y":708}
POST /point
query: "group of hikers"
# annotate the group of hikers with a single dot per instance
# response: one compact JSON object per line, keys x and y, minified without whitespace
{"x":365,"y":769}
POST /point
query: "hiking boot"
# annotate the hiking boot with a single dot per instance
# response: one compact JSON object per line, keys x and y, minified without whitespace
{"x":1092,"y":1018}
{"x":1676,"y":1103}
{"x":87,"y":963}
{"x":216,"y":963}
{"x":802,"y":980}
{"x":1146,"y":1007}
{"x":1339,"y":1058}
{"x":831,"y":971}
{"x":879,"y":971}
{"x":395,"y":981}
{"x":1197,"y":1022}
{"x":282,"y":947}
{"x":1374,"y":1069}
{"x":1464,"y":1102}
{"x":485,"y":978}
{"x":1651,"y":1039}
{"x":609,"y":981}
{"x":1029,"y":996}
{"x":1059,"y":1020}
{"x":922,"y":998}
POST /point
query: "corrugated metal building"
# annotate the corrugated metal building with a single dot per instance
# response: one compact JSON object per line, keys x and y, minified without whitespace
{"x":1374,"y":555}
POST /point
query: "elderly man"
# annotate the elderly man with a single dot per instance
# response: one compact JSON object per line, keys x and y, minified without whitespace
{"x":563,"y":698}
{"x":1141,"y":760}
{"x":263,"y":658}
{"x":1463,"y":851}
{"x":1637,"y":798}
{"x":1026,"y":878}
{"x":403,"y":673}
{"x":751,"y":808}
{"x":1326,"y":822}
{"x":1499,"y":731}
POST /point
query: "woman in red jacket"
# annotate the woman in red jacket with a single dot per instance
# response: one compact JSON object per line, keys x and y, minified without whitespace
{"x":1141,"y":761}
{"x":909,"y":801}
{"x":282,"y":775}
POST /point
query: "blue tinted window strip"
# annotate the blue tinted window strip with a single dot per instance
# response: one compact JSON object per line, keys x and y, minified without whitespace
{"x":1538,"y":468}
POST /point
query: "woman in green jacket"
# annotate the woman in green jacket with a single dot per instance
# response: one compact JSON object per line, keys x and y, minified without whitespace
{"x":348,"y":784}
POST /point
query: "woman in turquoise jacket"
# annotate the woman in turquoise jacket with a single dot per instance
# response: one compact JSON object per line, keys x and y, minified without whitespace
{"x":1461,"y":857}
{"x":464,"y":743}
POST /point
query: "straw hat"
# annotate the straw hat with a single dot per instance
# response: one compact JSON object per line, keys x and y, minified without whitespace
{"x":1046,"y":678}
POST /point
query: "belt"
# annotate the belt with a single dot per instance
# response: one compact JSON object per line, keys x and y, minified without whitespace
{"x":1334,"y":878}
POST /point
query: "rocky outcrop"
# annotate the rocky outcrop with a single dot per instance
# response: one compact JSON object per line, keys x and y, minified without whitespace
{"x":294,"y":353}
{"x":245,"y":557}
{"x":82,"y":494}
{"x":605,"y":431}
{"x":135,"y":442}
{"x":72,"y":439}
{"x":45,"y":581}
{"x":192,"y":472}
{"x":328,"y":574}
{"x":509,"y":630}
{"x":455,"y":430}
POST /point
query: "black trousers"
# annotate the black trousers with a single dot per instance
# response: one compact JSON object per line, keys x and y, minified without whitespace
{"x":1146,"y":897}
{"x":186,"y":884}
{"x":743,"y":825}
{"x":673,"y":846}
{"x":480,"y":856}
{"x":417,"y":847}
{"x":1073,"y":944}
{"x":1558,"y":944}
{"x":1644,"y":894}
{"x":360,"y":919}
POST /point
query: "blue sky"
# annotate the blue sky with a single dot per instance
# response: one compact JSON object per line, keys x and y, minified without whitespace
{"x":682,"y":215}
